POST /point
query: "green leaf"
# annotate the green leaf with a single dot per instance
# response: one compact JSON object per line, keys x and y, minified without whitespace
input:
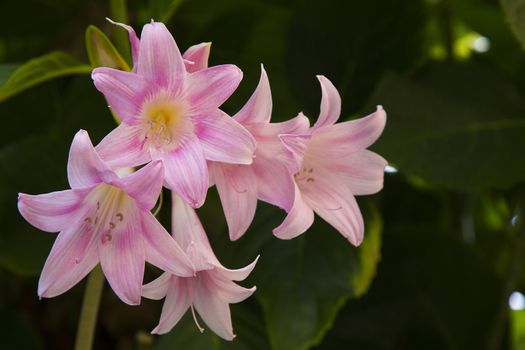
{"x":458,"y":126}
{"x":6,"y":70}
{"x":515,"y":12}
{"x":303,"y":283}
{"x":101,"y":51}
{"x":52,"y":65}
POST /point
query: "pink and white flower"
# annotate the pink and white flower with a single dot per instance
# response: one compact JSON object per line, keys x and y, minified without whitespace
{"x":172,"y":115}
{"x":240,"y":185}
{"x":103,"y":218}
{"x":210,"y":291}
{"x":334,"y":166}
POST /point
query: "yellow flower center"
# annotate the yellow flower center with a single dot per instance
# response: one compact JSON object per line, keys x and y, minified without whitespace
{"x":166,"y":123}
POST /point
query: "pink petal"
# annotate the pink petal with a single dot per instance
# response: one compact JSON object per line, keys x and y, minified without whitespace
{"x":276,"y":192}
{"x":298,"y":220}
{"x":123,"y":147}
{"x":198,"y":55}
{"x":144,"y":185}
{"x":238,"y":274}
{"x":214,"y":311}
{"x":73,"y":256}
{"x":258,"y":109}
{"x":162,"y":250}
{"x":227,"y":290}
{"x":122,"y":257}
{"x":84,"y":167}
{"x":55,"y":211}
{"x":350,"y":136}
{"x":133,"y":39}
{"x":158,"y":288}
{"x":175,"y":305}
{"x":237,"y":189}
{"x":189,"y":233}
{"x":207,"y":89}
{"x":160,"y":60}
{"x":334,"y":202}
{"x":186,"y":172}
{"x":225,"y":140}
{"x":124,"y":91}
{"x":330,"y":103}
{"x":363,"y":172}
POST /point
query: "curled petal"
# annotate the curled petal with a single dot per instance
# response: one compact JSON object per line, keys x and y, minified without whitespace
{"x":225,"y":140}
{"x":297,"y":145}
{"x":351,"y":136}
{"x":55,"y":211}
{"x":298,"y":220}
{"x":133,"y":39}
{"x":207,"y":89}
{"x":258,"y":109}
{"x":144,"y":185}
{"x":160,"y":60}
{"x":198,"y":56}
{"x":84,"y":167}
{"x":124,"y":91}
{"x":123,"y":147}
{"x":122,"y":257}
{"x":237,"y":187}
{"x":330,"y":104}
{"x":73,"y":256}
{"x":186,"y":172}
{"x":158,"y":288}
{"x":239,"y":274}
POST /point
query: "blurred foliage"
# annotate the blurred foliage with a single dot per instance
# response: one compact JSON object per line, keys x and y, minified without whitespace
{"x":444,"y":241}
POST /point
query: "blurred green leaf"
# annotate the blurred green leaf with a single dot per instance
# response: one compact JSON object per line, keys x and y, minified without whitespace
{"x":101,"y":51}
{"x":119,"y":13}
{"x":432,"y":292}
{"x":6,"y":70}
{"x":457,"y":126}
{"x":303,"y":283}
{"x":163,"y":10}
{"x":38,"y":70}
{"x":515,"y":12}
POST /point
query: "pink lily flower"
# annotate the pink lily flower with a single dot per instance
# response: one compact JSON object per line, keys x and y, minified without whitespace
{"x":334,"y":166}
{"x":211,"y":290}
{"x":171,"y":115}
{"x":106,"y":219}
{"x":267,"y":178}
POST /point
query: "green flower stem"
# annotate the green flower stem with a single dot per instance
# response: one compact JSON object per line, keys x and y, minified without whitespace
{"x":88,"y":316}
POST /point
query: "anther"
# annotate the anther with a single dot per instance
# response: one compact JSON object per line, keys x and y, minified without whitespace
{"x":87,"y":220}
{"x":111,"y":226}
{"x":310,"y":179}
{"x":120,"y":216}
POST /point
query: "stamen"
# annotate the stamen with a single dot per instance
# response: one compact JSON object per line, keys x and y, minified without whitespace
{"x":120,"y":216}
{"x":106,"y":238}
{"x":310,"y":179}
{"x":111,"y":226}
{"x":195,"y":320}
{"x":87,"y":220}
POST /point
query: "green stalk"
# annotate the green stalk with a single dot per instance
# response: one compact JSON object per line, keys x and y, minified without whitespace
{"x":88,"y":316}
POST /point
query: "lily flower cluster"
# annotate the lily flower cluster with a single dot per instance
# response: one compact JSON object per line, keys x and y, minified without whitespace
{"x":174,"y":134}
